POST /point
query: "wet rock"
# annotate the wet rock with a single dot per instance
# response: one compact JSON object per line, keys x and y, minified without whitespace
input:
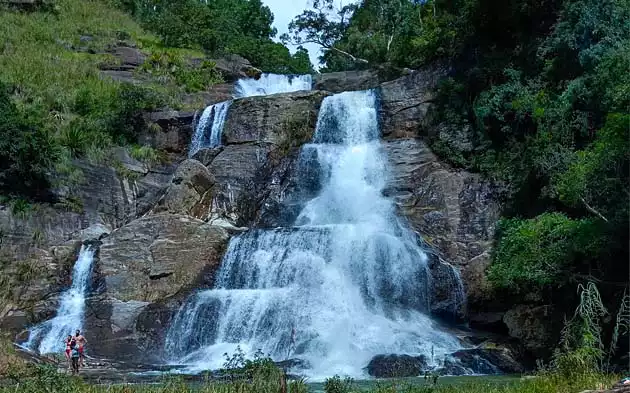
{"x":189,"y":192}
{"x":405,"y":103}
{"x":448,"y":300}
{"x":488,"y":321}
{"x":337,"y":82}
{"x":488,"y":360}
{"x":273,"y":119}
{"x":95,"y":232}
{"x":207,"y":155}
{"x":536,"y":327}
{"x":455,"y":211}
{"x":396,"y":366}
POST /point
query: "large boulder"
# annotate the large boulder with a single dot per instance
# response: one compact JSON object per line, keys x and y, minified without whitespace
{"x":536,"y":327}
{"x":173,"y":131}
{"x":272,"y":119}
{"x":489,"y":360}
{"x":145,"y":264}
{"x":337,"y":82}
{"x":190,"y":191}
{"x":157,"y":256}
{"x":396,"y":366}
{"x":234,"y":67}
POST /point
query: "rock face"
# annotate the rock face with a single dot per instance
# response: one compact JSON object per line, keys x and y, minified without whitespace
{"x":536,"y":327}
{"x":488,"y":361}
{"x":174,"y":131}
{"x":405,"y":103}
{"x":396,"y":366}
{"x":150,"y":260}
{"x":454,"y":211}
{"x":337,"y":82}
{"x":190,"y":191}
{"x":258,"y":132}
{"x":157,"y":256}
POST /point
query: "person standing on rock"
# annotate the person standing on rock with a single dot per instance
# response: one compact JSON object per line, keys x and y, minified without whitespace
{"x":81,"y":342}
{"x":75,"y":359}
{"x":69,"y":344}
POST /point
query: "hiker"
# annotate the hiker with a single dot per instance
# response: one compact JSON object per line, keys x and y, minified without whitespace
{"x":81,"y":342}
{"x":69,"y":344}
{"x":75,"y":359}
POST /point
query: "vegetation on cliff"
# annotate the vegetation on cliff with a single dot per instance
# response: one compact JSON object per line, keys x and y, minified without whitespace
{"x":56,"y":104}
{"x":220,"y":27}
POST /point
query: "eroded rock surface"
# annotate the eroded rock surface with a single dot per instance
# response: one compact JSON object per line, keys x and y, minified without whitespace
{"x":144,"y":264}
{"x":455,"y":211}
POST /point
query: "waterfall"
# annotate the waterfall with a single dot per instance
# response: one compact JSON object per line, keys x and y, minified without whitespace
{"x":209,"y":129}
{"x":48,"y":336}
{"x":272,"y":84}
{"x":348,"y":281}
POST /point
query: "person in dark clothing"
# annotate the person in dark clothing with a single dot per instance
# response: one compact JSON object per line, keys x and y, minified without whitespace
{"x":75,"y":359}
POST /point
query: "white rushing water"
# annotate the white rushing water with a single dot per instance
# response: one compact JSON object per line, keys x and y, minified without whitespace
{"x":348,"y":281}
{"x":209,"y":129}
{"x":272,"y":84}
{"x":48,"y":336}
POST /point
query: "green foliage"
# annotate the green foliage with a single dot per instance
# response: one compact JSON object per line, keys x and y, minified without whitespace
{"x":338,"y":385}
{"x":26,"y":151}
{"x":597,"y":177}
{"x":242,"y":27}
{"x":169,"y":64}
{"x":582,"y":347}
{"x":539,"y":252}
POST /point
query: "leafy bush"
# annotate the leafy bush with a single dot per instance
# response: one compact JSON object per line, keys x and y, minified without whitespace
{"x":534,"y":253}
{"x":338,"y":385}
{"x":27,"y":152}
{"x":172,"y":65}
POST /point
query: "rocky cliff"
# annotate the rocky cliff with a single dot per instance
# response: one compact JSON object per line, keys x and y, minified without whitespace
{"x":162,"y":232}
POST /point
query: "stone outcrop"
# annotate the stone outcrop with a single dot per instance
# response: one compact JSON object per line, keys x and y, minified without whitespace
{"x":490,"y":360}
{"x":258,"y":130}
{"x":396,"y":366}
{"x":536,"y":327}
{"x":157,"y":256}
{"x":405,"y":103}
{"x":190,"y":191}
{"x":455,"y":211}
{"x":140,"y":267}
{"x":337,"y":82}
{"x":173,"y":132}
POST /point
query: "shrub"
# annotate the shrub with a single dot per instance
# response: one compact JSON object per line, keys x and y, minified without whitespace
{"x":542,"y":251}
{"x":27,"y":152}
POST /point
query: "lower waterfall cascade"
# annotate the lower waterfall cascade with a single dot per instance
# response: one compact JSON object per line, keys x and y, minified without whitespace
{"x":346,"y":282}
{"x":47,"y":337}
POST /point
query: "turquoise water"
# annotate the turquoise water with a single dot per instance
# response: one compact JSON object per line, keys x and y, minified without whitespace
{"x":401,"y":383}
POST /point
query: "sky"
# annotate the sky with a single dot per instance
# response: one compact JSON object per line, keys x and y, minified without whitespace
{"x":285,"y":10}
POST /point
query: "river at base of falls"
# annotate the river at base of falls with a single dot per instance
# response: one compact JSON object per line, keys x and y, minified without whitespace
{"x":347,"y":282}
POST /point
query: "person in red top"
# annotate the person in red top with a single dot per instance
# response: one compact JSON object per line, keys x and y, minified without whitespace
{"x":69,"y":344}
{"x":81,"y":341}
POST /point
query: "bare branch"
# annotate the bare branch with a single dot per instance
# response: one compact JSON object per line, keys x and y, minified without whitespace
{"x":592,"y":210}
